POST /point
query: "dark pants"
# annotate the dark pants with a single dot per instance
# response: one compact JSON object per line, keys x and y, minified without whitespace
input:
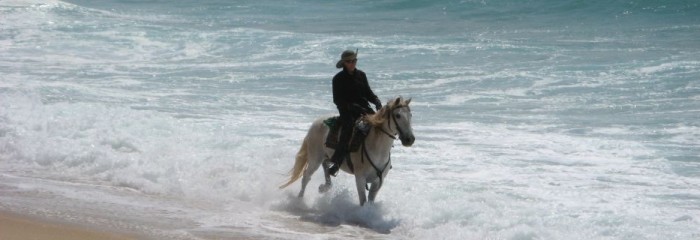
{"x":347,"y":124}
{"x":347,"y":121}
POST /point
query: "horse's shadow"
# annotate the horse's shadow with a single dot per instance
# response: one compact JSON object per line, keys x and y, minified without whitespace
{"x":335,"y":209}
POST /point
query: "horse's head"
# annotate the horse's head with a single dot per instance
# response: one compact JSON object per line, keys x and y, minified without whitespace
{"x":399,"y":112}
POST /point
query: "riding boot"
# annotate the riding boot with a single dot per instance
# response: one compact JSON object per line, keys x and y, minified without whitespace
{"x":341,"y":150}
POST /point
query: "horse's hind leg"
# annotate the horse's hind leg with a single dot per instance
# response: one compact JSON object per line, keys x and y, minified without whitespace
{"x":305,"y":180}
{"x":315,"y":161}
{"x":311,"y":168}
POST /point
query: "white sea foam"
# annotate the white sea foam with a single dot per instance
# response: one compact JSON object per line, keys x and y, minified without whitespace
{"x":127,"y":115}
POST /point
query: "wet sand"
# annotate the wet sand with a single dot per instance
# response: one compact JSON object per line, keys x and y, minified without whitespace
{"x":18,"y":227}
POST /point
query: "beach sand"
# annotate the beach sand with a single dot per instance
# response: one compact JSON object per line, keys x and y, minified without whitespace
{"x":18,"y":227}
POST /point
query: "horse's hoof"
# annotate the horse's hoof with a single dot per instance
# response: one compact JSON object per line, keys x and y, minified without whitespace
{"x":324,"y":188}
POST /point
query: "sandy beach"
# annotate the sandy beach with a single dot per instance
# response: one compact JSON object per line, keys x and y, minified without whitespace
{"x":18,"y":227}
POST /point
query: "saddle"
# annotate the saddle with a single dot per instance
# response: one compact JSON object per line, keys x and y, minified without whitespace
{"x":359,"y":133}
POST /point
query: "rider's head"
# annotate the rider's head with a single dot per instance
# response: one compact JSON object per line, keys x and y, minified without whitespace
{"x":347,"y":60}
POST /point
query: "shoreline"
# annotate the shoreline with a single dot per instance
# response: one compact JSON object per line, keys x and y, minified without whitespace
{"x":15,"y":226}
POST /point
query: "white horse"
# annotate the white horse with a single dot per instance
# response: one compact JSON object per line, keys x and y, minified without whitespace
{"x":371,"y":162}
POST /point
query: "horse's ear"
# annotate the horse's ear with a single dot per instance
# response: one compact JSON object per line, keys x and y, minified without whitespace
{"x":398,"y":100}
{"x":408,"y":101}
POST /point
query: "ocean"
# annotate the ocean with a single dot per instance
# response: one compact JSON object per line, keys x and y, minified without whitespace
{"x":545,"y":119}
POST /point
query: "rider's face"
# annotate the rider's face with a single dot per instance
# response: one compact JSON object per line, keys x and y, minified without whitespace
{"x":350,"y":65}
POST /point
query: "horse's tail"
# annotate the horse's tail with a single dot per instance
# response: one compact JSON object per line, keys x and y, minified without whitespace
{"x":300,"y":164}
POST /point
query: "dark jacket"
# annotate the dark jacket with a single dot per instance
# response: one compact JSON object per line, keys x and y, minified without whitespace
{"x":351,"y":91}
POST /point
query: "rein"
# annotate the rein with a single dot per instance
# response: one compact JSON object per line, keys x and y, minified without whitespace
{"x":380,"y":172}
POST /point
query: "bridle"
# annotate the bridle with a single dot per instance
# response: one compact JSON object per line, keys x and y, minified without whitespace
{"x":398,"y":128}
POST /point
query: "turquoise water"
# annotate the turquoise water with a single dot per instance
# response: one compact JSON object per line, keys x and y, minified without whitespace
{"x":533,"y":119}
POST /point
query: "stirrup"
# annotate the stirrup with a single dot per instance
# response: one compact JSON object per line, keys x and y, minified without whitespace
{"x":334,"y":172}
{"x":335,"y":168}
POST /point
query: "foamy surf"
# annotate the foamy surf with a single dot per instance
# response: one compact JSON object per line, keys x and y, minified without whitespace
{"x":536,"y":120}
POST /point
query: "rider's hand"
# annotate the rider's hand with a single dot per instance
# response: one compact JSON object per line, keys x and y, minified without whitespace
{"x":377,"y":104}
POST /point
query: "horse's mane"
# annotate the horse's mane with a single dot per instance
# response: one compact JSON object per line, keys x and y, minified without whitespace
{"x":382,"y":115}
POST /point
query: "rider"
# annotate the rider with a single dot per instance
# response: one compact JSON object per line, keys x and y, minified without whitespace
{"x":351,"y":95}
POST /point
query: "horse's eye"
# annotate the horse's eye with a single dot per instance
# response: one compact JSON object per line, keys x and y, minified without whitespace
{"x":397,"y":115}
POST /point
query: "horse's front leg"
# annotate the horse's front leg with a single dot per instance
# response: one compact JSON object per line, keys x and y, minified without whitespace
{"x":374,"y":189}
{"x":361,"y":182}
{"x":325,"y":187}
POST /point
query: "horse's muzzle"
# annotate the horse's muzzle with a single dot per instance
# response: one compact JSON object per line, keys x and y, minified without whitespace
{"x":407,"y":141}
